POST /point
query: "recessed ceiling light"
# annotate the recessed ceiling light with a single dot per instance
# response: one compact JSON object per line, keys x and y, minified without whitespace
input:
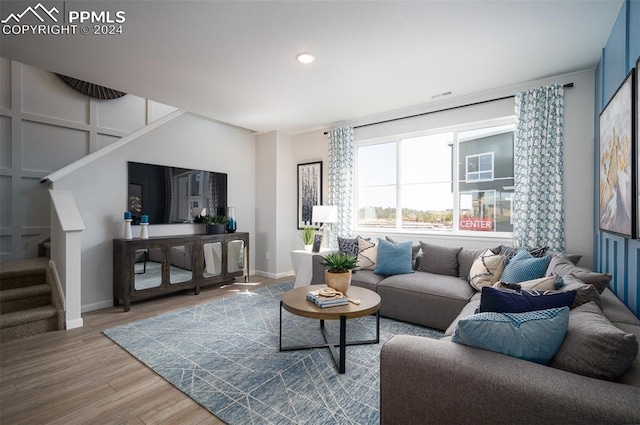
{"x":306,"y":58}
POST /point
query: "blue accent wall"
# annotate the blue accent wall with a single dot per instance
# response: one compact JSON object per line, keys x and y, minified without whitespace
{"x":612,"y":253}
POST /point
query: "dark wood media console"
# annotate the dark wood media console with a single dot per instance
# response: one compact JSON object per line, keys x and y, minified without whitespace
{"x":147,"y":268}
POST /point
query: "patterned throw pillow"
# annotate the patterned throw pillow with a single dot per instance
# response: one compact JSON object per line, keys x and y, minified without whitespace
{"x":367,"y":254}
{"x":510,"y":252}
{"x":348,"y":246}
{"x":534,"y":336}
{"x":486,"y":270}
{"x":524,"y":266}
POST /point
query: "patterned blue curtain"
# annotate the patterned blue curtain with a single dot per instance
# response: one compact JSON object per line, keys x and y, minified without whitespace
{"x":538,"y":213}
{"x":341,"y":154}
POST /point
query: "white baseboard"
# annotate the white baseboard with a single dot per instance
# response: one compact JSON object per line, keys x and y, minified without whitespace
{"x":96,"y":306}
{"x":275,"y":275}
{"x":75,"y":323}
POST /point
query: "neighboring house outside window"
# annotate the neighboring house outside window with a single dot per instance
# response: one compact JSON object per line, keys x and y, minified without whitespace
{"x":458,"y":180}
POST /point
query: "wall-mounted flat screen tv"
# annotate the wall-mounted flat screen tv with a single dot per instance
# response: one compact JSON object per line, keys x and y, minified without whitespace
{"x":171,"y":195}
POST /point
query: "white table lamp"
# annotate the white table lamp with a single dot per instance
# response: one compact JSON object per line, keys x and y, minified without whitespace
{"x":325,"y":214}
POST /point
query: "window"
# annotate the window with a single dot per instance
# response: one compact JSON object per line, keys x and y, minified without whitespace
{"x":479,"y":167}
{"x":459,"y":180}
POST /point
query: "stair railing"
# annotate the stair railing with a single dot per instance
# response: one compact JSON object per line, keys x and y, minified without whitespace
{"x":66,"y":251}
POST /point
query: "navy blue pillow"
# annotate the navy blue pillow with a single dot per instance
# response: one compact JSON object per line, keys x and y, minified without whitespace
{"x":509,"y":301}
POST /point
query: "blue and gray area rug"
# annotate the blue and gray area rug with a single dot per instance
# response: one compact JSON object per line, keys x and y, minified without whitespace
{"x":224,"y":355}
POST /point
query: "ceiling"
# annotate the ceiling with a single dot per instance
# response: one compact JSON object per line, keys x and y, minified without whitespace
{"x":234,"y":61}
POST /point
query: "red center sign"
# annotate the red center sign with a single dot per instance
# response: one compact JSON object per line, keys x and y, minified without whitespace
{"x":473,"y":223}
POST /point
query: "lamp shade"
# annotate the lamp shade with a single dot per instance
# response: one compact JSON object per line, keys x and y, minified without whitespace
{"x":324,"y":214}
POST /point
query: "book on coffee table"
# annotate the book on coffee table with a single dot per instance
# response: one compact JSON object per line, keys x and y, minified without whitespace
{"x":324,"y":302}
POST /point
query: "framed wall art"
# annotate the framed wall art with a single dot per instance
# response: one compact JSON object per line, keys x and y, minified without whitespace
{"x":616,"y":168}
{"x":309,"y":192}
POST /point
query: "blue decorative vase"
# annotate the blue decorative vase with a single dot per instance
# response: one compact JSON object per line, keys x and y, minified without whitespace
{"x":232,"y":225}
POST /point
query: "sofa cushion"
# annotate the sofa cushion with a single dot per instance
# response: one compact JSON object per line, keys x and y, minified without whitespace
{"x":393,"y":258}
{"x":584,"y":292}
{"x":560,"y":265}
{"x":486,"y":270}
{"x":427,"y":299}
{"x":615,"y":310}
{"x":367,"y":254}
{"x":439,"y":259}
{"x":466,"y":257}
{"x":468,"y":310}
{"x":632,"y":375}
{"x":510,"y":301}
{"x":367,"y":279}
{"x":534,"y":336}
{"x":594,"y":347}
{"x":524,"y":266}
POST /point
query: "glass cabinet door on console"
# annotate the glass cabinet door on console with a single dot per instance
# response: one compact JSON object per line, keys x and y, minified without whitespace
{"x":212,"y":253}
{"x":235,"y":256}
{"x":180,"y":263}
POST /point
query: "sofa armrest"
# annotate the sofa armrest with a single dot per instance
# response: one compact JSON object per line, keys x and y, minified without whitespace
{"x":425,"y":380}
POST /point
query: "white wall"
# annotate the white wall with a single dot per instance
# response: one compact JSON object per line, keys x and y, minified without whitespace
{"x":45,"y":125}
{"x":275,"y":193}
{"x":100,"y":189}
{"x":266,"y":212}
{"x":578,"y":151}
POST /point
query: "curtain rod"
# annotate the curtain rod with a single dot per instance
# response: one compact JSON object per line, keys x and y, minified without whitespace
{"x":568,"y":85}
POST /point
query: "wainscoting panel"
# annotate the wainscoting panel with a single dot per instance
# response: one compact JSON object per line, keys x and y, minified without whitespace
{"x":620,"y":257}
{"x":45,"y":125}
{"x":614,"y":254}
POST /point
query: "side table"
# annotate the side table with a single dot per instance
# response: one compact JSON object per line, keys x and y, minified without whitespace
{"x":303,"y":265}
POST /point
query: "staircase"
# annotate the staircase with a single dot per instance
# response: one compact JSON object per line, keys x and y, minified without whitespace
{"x":29,"y":300}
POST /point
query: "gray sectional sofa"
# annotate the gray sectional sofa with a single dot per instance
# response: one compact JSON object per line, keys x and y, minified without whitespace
{"x":425,"y":381}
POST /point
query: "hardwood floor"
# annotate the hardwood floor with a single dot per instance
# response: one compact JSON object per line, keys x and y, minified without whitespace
{"x":81,"y":377}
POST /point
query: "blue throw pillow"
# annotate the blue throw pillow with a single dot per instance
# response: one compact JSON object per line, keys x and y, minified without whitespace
{"x":509,"y":301}
{"x":535,"y":336}
{"x":524,"y":266}
{"x":393,"y":258}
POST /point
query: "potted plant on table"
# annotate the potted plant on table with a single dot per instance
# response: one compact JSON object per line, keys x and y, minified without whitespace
{"x":307,"y":234}
{"x":338,"y":273}
{"x":215,"y":223}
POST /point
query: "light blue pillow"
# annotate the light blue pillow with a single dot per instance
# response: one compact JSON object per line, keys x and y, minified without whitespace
{"x":535,"y":336}
{"x":524,"y":266}
{"x":393,"y":258}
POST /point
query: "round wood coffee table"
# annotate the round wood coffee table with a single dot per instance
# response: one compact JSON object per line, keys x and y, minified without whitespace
{"x":295,"y":302}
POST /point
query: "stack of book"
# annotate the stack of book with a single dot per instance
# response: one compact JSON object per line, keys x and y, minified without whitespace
{"x":323,"y":301}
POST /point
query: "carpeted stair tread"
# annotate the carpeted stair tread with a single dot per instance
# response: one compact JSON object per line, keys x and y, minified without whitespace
{"x":26,"y":292}
{"x":27,"y":316}
{"x":23,"y":272}
{"x":12,"y":300}
{"x":10,"y":268}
